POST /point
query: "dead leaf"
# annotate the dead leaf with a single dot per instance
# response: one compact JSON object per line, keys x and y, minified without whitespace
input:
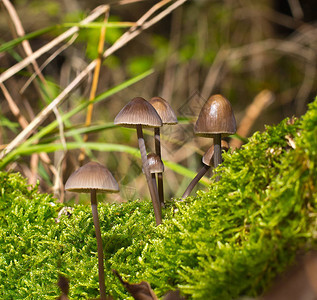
{"x":139,"y":291}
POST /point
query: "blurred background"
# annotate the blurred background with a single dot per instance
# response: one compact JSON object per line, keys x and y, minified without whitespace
{"x":261,"y":55}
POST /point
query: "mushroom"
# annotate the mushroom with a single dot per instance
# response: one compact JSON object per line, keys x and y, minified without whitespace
{"x":137,"y":113}
{"x":207,"y":163}
{"x":156,"y":166}
{"x":92,"y":178}
{"x":216,"y":119}
{"x":168,"y":116}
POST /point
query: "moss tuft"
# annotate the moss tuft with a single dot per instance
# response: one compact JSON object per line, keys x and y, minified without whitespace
{"x":229,"y":241}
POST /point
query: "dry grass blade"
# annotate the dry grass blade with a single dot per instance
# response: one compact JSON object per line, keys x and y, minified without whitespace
{"x":29,"y":52}
{"x":24,"y":123}
{"x":136,"y":30}
{"x":22,"y":64}
{"x":20,"y":32}
{"x":13,"y":107}
{"x":47,"y":61}
{"x":151,"y":11}
{"x":62,"y":96}
{"x":258,"y":105}
{"x":213,"y":73}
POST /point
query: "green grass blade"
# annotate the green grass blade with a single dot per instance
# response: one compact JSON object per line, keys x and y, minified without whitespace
{"x":47,"y":129}
{"x":82,"y":106}
{"x":11,"y":44}
{"x":105,"y":147}
{"x":96,"y":25}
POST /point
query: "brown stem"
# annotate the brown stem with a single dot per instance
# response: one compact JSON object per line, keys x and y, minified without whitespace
{"x":153,"y":193}
{"x":193,"y":183}
{"x":101,"y":271}
{"x":217,"y":152}
{"x":155,"y":184}
{"x":157,"y":139}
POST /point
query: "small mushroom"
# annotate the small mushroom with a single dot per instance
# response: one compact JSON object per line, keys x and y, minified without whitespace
{"x":168,"y":117}
{"x":156,"y":166}
{"x":137,"y":113}
{"x":92,"y":178}
{"x":216,"y":119}
{"x":207,"y":163}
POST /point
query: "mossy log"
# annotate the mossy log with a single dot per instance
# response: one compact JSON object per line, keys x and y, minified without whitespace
{"x":227,"y":242}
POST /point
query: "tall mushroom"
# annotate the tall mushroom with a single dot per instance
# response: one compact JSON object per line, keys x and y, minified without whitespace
{"x":216,"y":119}
{"x":207,"y":161}
{"x":168,"y":117}
{"x":137,"y":113}
{"x":92,"y":178}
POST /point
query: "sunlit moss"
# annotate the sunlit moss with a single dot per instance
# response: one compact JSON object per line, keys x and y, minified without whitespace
{"x":226,"y":242}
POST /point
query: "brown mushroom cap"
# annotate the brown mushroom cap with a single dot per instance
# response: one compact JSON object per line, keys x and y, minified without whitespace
{"x":164,"y":110}
{"x":208,"y":156}
{"x":138,"y":112}
{"x":91,"y":176}
{"x":216,"y":117}
{"x":155,"y":163}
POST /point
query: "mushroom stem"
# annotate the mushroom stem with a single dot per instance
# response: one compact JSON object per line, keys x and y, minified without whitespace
{"x":157,"y":139}
{"x":153,"y":193}
{"x":217,"y":152}
{"x":101,"y":272}
{"x":192,"y":184}
{"x":154,"y":184}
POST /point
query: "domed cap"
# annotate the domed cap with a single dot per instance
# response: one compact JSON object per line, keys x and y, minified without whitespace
{"x":138,"y":112}
{"x":216,"y":117}
{"x":164,"y":110}
{"x":155,"y":163}
{"x":208,"y":158}
{"x":91,"y":176}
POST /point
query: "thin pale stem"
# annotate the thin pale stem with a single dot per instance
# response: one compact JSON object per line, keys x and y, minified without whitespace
{"x":193,"y":183}
{"x":157,"y":138}
{"x":154,"y":195}
{"x":101,"y":270}
{"x":217,"y":152}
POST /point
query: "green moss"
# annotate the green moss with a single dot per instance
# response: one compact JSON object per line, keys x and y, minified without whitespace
{"x":234,"y":239}
{"x":229,"y":241}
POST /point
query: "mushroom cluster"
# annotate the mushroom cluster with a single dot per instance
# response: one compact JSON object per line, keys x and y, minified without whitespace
{"x":140,"y":113}
{"x":216,"y":120}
